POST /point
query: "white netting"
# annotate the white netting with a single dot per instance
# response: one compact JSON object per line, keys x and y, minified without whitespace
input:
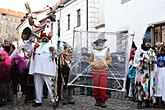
{"x":118,"y":44}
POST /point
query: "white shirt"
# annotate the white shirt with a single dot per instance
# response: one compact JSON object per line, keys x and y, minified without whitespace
{"x":100,"y":55}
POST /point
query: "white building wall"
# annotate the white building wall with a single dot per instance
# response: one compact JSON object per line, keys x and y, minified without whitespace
{"x":134,"y":16}
{"x":71,"y":8}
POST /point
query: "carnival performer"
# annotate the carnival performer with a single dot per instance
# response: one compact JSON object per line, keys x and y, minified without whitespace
{"x":160,"y":92}
{"x":131,"y":73}
{"x":43,"y":67}
{"x":98,"y":61}
{"x":5,"y":67}
{"x":144,"y":60}
{"x":65,"y":70}
{"x":18,"y":76}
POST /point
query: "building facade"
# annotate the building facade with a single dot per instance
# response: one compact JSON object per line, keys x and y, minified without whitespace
{"x":81,"y":15}
{"x":9,"y":20}
{"x":134,"y":16}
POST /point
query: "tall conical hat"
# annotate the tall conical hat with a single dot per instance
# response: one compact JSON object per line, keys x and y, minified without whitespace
{"x":147,"y":35}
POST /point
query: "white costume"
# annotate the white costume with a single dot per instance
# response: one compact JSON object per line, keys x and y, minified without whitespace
{"x":161,"y":83}
{"x":161,"y":78}
{"x":44,"y":69}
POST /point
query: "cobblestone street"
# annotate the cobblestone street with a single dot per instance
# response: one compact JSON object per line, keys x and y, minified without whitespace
{"x":83,"y":102}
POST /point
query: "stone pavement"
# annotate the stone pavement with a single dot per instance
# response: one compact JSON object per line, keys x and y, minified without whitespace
{"x":83,"y":102}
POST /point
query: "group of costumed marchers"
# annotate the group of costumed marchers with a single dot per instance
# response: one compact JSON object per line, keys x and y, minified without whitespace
{"x":14,"y":70}
{"x":37,"y":58}
{"x":146,"y":74}
{"x":12,"y":73}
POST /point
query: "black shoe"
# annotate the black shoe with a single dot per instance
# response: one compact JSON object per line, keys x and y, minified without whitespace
{"x":71,"y":102}
{"x":139,"y":105}
{"x":56,"y":104}
{"x":103,"y":105}
{"x":36,"y":104}
{"x":64,"y":102}
{"x":147,"y":104}
{"x":97,"y":104}
{"x":81,"y":93}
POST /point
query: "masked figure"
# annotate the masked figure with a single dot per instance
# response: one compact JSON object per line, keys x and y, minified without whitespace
{"x":144,"y":60}
{"x":18,"y":76}
{"x":43,"y":67}
{"x":98,"y":61}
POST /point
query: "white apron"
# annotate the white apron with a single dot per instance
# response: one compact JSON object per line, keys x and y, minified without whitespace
{"x":42,"y":62}
{"x":161,"y":83}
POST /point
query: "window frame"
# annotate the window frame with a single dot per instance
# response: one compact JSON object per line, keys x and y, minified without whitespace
{"x":119,"y":40}
{"x":78,"y":17}
{"x":157,"y":33}
{"x":58,"y":27}
{"x":124,"y":1}
{"x":68,"y":19}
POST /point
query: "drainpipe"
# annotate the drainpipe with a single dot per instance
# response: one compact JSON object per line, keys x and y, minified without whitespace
{"x":87,"y":15}
{"x":87,"y":21}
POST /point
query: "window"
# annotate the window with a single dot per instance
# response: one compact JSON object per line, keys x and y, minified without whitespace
{"x":158,"y":33}
{"x":58,"y":27}
{"x":68,"y":21}
{"x":121,"y":38}
{"x":78,"y":18}
{"x":124,"y":1}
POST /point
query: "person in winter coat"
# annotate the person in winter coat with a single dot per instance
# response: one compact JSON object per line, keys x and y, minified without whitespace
{"x":5,"y":76}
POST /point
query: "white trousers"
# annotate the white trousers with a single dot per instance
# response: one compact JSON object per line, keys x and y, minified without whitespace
{"x":39,"y":80}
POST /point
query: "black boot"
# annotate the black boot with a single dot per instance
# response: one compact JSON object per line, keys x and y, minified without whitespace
{"x":139,"y":105}
{"x":162,"y":104}
{"x":36,"y":104}
{"x":147,"y":102}
{"x":156,"y":105}
{"x":97,"y":102}
{"x":103,"y":105}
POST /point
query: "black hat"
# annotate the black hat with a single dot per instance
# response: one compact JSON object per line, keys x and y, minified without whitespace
{"x":100,"y":41}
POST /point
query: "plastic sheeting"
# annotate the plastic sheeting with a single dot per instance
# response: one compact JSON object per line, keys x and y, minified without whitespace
{"x":118,"y":44}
